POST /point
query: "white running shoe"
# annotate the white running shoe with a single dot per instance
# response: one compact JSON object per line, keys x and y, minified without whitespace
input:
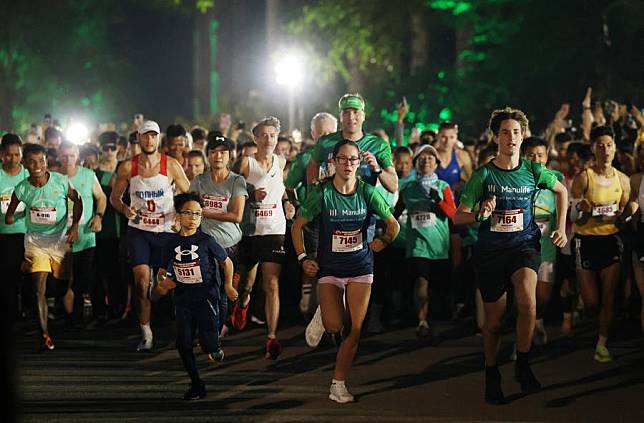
{"x":145,"y":345}
{"x":314,"y":330}
{"x":340,"y":394}
{"x":513,"y":355}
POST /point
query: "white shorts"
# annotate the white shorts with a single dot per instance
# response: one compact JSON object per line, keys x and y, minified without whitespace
{"x":546,"y":272}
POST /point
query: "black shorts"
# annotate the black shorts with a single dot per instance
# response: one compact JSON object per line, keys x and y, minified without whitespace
{"x":494,"y":270}
{"x":147,"y":247}
{"x":261,"y":249}
{"x":436,"y":272}
{"x":638,"y":246}
{"x":596,"y":252}
{"x":565,"y":266}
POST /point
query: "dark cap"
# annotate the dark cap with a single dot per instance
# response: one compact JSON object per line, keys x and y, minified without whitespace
{"x":215,"y":139}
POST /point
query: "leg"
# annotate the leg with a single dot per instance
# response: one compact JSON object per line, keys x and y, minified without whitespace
{"x":525,"y":285}
{"x":491,"y":327}
{"x":40,"y":286}
{"x":331,"y":307}
{"x":357,"y":302}
{"x":142,"y":285}
{"x":609,"y":277}
{"x":638,"y":271}
{"x":270,"y":276}
{"x":421,"y":291}
{"x":586,"y":279}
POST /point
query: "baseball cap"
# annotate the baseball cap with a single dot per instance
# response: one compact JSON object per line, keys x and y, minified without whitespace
{"x":149,"y":126}
{"x":351,"y":101}
{"x":428,"y":148}
{"x":216,"y":139}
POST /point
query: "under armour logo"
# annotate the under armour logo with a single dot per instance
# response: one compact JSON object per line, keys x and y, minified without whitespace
{"x":192,"y":252}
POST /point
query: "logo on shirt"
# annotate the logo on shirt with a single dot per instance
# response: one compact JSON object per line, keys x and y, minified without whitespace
{"x":192,"y":252}
{"x":145,"y":195}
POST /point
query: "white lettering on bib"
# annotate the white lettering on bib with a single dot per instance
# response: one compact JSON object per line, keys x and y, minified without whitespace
{"x":346,"y":241}
{"x":423,"y":220}
{"x":265,"y":211}
{"x":189,"y":273}
{"x":604,"y":209}
{"x":507,"y":220}
{"x":215,"y":203}
{"x":43,"y":215}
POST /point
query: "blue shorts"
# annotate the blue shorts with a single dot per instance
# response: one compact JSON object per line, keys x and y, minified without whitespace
{"x":147,"y":247}
{"x":201,"y":315}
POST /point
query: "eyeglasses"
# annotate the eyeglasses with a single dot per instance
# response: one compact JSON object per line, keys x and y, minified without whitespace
{"x":111,"y":147}
{"x":347,"y":159}
{"x":188,"y":213}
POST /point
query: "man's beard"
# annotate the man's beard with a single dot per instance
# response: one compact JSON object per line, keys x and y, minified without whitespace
{"x":148,"y":153}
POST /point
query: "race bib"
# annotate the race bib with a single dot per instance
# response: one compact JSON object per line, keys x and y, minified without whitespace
{"x":346,"y":241}
{"x":189,"y":273}
{"x":265,"y":211}
{"x":43,"y":215}
{"x":507,"y":220}
{"x":152,"y":220}
{"x":544,"y":226}
{"x":604,"y":209}
{"x":215,"y":203}
{"x":5,"y":200}
{"x":423,"y":220}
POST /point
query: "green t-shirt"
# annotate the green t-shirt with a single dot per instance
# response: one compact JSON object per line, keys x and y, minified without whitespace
{"x":427,"y":225}
{"x":111,"y":225}
{"x":83,"y":183}
{"x":343,"y":220}
{"x":46,"y":206}
{"x":296,"y":178}
{"x":512,"y":222}
{"x":545,"y":215}
{"x":7,"y":185}
{"x":322,"y":152}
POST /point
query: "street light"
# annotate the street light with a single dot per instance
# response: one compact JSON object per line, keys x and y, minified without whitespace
{"x":288,"y":73}
{"x":78,"y":133}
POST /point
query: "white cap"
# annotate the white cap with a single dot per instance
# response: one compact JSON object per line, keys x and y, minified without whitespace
{"x":149,"y":126}
{"x":430,"y":149}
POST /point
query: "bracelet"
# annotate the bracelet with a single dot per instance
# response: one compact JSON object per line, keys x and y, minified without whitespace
{"x":478,"y":217}
{"x":99,"y":214}
{"x":377,"y":172}
{"x":302,"y":257}
{"x":588,"y":108}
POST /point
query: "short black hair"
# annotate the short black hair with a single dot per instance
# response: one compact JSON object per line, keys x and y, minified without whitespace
{"x":584,"y":152}
{"x":447,"y":125}
{"x":34,"y":149}
{"x":88,"y":150}
{"x":198,"y":133}
{"x":563,"y":137}
{"x":175,"y":130}
{"x":342,"y":143}
{"x":532,"y":142}
{"x":108,"y":137}
{"x":181,"y":199}
{"x":52,"y":132}
{"x":600,"y":131}
{"x":11,"y":139}
{"x":402,"y":150}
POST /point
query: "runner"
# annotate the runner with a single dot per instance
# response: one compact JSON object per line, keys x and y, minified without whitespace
{"x":12,"y":237}
{"x":545,"y":216}
{"x":87,"y":186}
{"x":637,"y":199}
{"x":194,"y":271}
{"x":223,"y":194}
{"x":264,"y":226}
{"x":45,"y":197}
{"x":151,"y":176}
{"x":430,"y":204}
{"x":599,"y":194}
{"x":507,"y":251}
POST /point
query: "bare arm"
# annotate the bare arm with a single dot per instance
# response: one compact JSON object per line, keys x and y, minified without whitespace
{"x":234,"y":214}
{"x":393,"y":227}
{"x":559,"y":234}
{"x":389,"y":179}
{"x":11,"y":210}
{"x":465,"y":162}
{"x":120,"y":184}
{"x":77,"y":213}
{"x":179,"y":176}
{"x":231,"y":292}
{"x":309,"y":266}
{"x":101,"y":205}
{"x":312,"y":172}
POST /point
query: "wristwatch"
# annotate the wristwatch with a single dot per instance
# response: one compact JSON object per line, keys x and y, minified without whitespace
{"x":377,"y":171}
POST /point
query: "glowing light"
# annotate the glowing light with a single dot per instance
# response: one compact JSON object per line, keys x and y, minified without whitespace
{"x":78,"y":133}
{"x":289,"y":71}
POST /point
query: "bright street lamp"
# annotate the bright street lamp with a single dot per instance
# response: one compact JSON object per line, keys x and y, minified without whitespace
{"x":78,"y":133}
{"x":289,"y":71}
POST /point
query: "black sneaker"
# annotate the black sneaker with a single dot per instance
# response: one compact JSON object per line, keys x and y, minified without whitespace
{"x":196,"y":392}
{"x":216,"y":356}
{"x":493,"y":392}
{"x":527,"y":380}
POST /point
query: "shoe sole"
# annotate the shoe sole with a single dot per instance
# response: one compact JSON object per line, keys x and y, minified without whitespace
{"x":338,"y":400}
{"x":603,"y":360}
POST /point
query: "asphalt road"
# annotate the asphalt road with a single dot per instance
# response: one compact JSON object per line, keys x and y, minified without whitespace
{"x":97,"y":376}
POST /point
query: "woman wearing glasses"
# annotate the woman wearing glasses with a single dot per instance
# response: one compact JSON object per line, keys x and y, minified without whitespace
{"x":344,"y":265}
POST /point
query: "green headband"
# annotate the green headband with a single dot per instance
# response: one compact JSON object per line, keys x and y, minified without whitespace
{"x":351,"y":102}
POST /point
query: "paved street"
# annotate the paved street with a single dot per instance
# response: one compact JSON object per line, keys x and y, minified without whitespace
{"x":96,"y":375}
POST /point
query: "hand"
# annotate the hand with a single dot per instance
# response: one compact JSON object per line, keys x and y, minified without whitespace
{"x":558,"y":237}
{"x":96,"y":225}
{"x":310,"y":267}
{"x":129,"y":213}
{"x":377,"y":245}
{"x":637,"y":114}
{"x":289,"y":210}
{"x":562,"y":112}
{"x":231,"y":292}
{"x":370,"y":159}
{"x":403,"y":108}
{"x":260,"y":194}
{"x":166,"y":284}
{"x":586,"y":102}
{"x":487,"y":207}
{"x":584,"y":206}
{"x":72,"y":233}
{"x":598,"y":113}
{"x":176,"y":226}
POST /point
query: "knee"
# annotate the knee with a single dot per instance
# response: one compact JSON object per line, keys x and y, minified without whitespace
{"x":271,"y":287}
{"x":332,"y":326}
{"x":526,"y":307}
{"x":491,"y":325}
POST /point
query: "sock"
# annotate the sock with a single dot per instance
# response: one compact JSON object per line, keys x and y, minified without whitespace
{"x":423,"y":323}
{"x":146,"y":331}
{"x":190,"y":364}
{"x":271,"y":336}
{"x":601,"y":341}
{"x":337,"y":382}
{"x":522,"y":357}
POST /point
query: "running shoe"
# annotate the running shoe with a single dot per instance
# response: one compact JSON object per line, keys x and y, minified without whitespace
{"x":47,"y":343}
{"x":273,"y":348}
{"x":340,"y":394}
{"x":216,"y":356}
{"x":540,"y":336}
{"x":145,"y":345}
{"x":314,"y":330}
{"x":196,"y":392}
{"x":493,"y":392}
{"x":238,"y":318}
{"x":527,"y":380}
{"x":602,"y":355}
{"x":424,"y":333}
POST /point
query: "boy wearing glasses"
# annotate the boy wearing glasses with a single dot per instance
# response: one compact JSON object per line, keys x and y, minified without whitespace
{"x":193,"y":271}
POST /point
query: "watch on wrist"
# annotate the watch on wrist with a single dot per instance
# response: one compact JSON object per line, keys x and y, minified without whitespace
{"x":377,"y":171}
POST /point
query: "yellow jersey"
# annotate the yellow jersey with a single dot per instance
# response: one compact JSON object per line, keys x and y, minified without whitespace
{"x":604,"y":194}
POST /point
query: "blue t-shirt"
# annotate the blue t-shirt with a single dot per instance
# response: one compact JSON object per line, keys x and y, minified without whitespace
{"x":194,"y":264}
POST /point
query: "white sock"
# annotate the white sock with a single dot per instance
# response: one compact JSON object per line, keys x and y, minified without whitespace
{"x":337,"y":382}
{"x":423,"y":323}
{"x":601,"y":341}
{"x":146,"y":331}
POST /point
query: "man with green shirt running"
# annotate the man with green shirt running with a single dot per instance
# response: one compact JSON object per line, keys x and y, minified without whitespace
{"x":507,"y":251}
{"x":45,"y":196}
{"x":11,"y":236}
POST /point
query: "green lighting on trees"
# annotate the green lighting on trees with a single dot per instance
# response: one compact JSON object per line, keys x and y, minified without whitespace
{"x":445,"y":114}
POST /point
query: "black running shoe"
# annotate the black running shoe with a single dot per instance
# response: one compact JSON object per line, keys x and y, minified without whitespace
{"x":527,"y":380}
{"x":493,"y":392}
{"x":196,"y":392}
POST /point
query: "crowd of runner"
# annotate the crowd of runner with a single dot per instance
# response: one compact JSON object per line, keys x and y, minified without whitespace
{"x":428,"y":227}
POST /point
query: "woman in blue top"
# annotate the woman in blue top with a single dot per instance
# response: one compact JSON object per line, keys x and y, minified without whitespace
{"x":345,"y":206}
